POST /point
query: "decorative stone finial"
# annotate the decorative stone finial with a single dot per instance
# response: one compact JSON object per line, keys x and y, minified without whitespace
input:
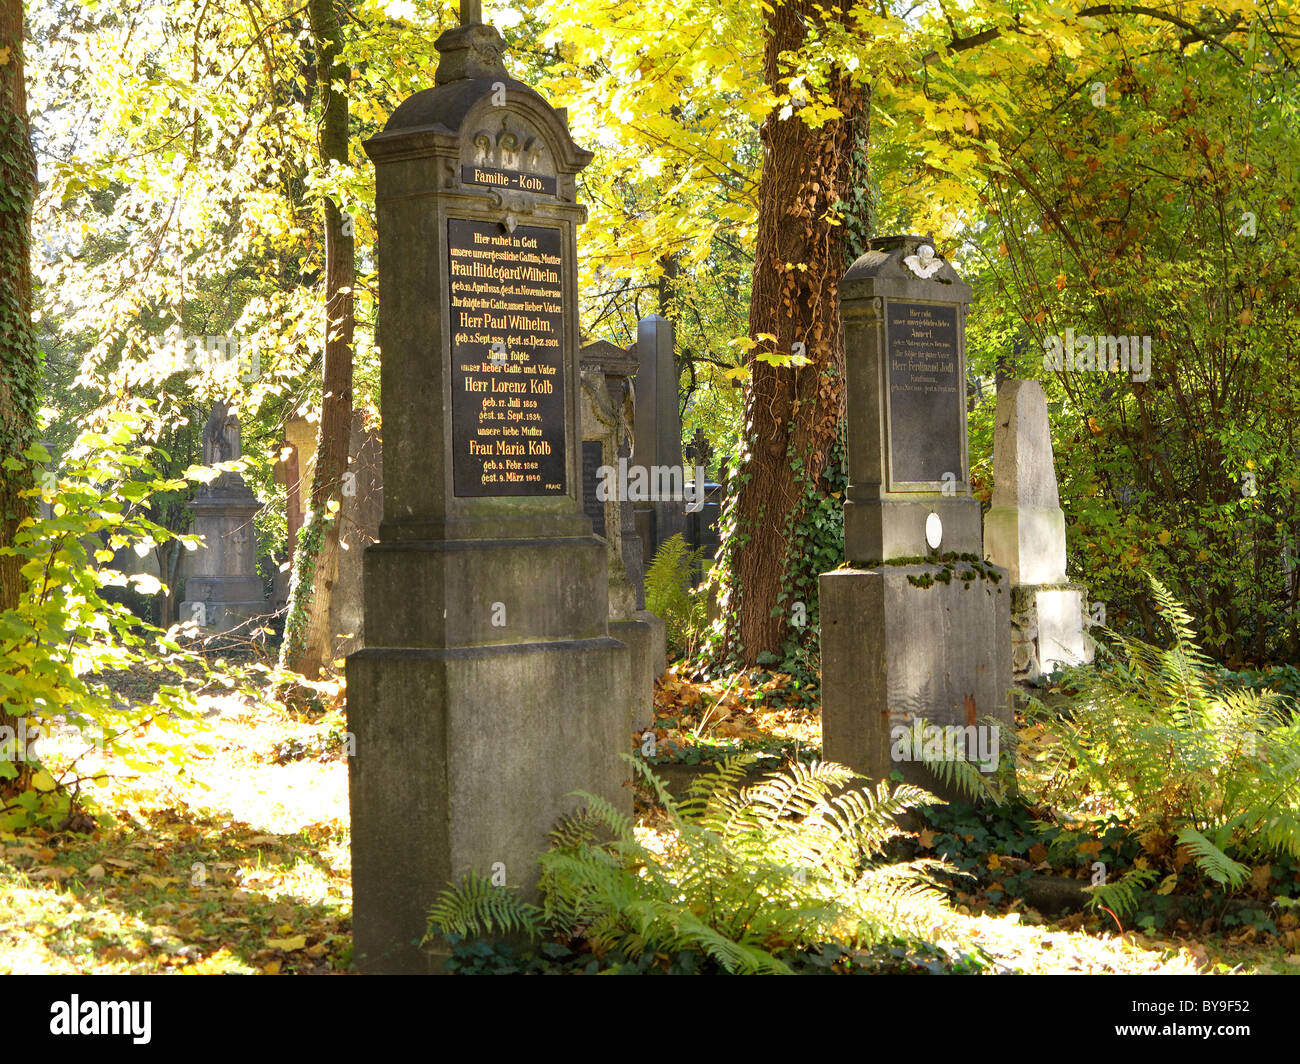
{"x":470,"y":51}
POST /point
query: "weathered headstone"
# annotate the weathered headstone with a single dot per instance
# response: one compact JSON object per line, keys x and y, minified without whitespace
{"x":607,"y":373}
{"x":223,"y":589}
{"x":1024,"y":533}
{"x":915,"y":625}
{"x":702,"y":524}
{"x":658,"y":435}
{"x":489,"y":688}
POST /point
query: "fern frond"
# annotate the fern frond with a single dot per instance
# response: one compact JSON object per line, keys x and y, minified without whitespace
{"x":1213,"y":861}
{"x":476,"y":907}
{"x":1122,"y":895}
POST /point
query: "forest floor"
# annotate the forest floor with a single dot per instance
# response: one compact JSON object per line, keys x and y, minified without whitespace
{"x":244,"y":867}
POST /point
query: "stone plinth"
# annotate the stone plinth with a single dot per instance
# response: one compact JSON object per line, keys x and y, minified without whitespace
{"x":894,"y":652}
{"x":223,"y":589}
{"x":1047,"y":629}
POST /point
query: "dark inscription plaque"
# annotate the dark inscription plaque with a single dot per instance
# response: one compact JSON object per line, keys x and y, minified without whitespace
{"x":592,"y":459}
{"x":507,"y":359}
{"x":509,"y":179}
{"x":925,"y":411}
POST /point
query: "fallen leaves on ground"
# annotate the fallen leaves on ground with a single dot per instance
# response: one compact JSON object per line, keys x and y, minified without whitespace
{"x":245,"y":867}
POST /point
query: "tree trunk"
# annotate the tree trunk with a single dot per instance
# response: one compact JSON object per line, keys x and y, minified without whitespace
{"x":791,"y":413}
{"x":20,"y":371}
{"x":307,"y":636}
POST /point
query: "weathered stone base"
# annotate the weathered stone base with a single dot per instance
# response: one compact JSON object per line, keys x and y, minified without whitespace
{"x":893,"y":527}
{"x":1029,"y":539}
{"x":893,"y":652}
{"x":465,"y":758}
{"x":1048,"y":629}
{"x":639,"y":635}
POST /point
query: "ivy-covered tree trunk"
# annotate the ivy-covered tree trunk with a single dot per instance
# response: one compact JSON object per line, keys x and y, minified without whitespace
{"x":791,"y":412}
{"x":20,"y":370}
{"x":307,"y":636}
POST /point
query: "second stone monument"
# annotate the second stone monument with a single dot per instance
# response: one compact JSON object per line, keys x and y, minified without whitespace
{"x":915,"y":626}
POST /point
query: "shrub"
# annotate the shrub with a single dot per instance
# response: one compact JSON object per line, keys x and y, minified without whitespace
{"x":1153,"y":740}
{"x":65,"y":630}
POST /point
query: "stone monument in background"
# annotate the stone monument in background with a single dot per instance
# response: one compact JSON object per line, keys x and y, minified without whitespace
{"x":910,"y":629}
{"x":223,"y":589}
{"x":489,"y":688}
{"x":658,"y":432}
{"x":1024,"y":533}
{"x":607,"y":373}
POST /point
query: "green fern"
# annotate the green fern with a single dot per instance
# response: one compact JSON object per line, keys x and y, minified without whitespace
{"x":1122,"y":895}
{"x":956,"y":772}
{"x":477,"y":907}
{"x":1152,"y":740}
{"x":1213,"y":861}
{"x":791,"y":862}
{"x":668,"y":594}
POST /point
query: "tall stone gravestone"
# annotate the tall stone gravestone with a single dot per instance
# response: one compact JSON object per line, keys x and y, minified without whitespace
{"x":658,"y":435}
{"x":607,"y":373}
{"x":223,"y":589}
{"x":489,"y":687}
{"x":1024,"y":533}
{"x":915,"y":626}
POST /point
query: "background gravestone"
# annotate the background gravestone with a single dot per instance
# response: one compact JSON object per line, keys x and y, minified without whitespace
{"x":1024,"y":533}
{"x":658,"y":435}
{"x":702,"y":526}
{"x":223,"y":589}
{"x":489,"y":688}
{"x":607,"y":373}
{"x":929,"y":636}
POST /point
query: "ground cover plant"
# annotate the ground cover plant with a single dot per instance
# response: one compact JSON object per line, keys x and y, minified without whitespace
{"x":744,"y":874}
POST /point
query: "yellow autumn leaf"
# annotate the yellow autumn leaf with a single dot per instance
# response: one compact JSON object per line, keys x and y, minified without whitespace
{"x":287,"y":944}
{"x":1168,"y":883}
{"x":157,"y":881}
